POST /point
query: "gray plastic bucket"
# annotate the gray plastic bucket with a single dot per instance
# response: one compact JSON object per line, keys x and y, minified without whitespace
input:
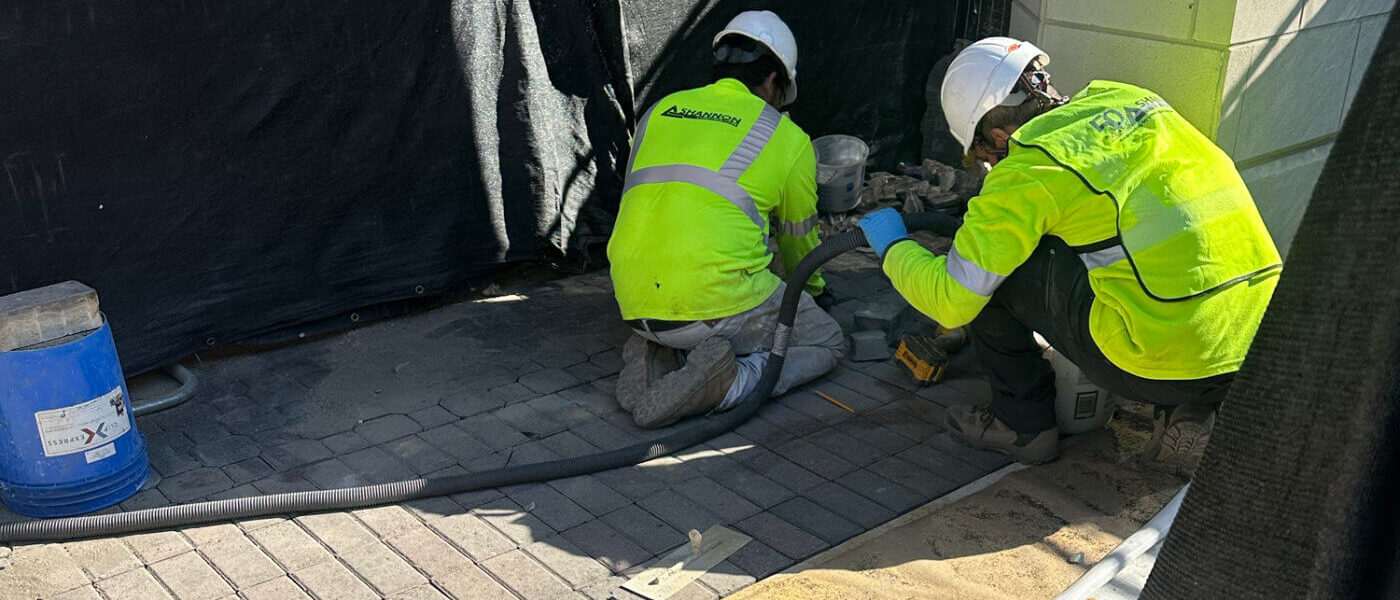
{"x":840,"y":172}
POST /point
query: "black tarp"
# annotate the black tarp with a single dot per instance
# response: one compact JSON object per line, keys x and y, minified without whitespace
{"x":1298,"y":495}
{"x":221,"y":170}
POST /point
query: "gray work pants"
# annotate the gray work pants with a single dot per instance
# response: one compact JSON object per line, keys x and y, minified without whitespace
{"x":817,"y":340}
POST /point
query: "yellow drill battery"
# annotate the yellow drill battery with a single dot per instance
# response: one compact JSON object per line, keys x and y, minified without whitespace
{"x":926,"y":356}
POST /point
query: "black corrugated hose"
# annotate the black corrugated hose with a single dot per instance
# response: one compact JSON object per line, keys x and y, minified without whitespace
{"x":400,"y":491}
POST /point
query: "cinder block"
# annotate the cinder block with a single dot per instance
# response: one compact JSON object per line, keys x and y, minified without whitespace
{"x":869,"y":345}
{"x":1254,"y":121}
{"x":1282,"y":189}
{"x":46,"y":314}
{"x":1187,"y":76}
{"x":1164,"y":18}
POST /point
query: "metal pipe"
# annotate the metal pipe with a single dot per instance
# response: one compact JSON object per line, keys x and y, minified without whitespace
{"x":1136,"y":544}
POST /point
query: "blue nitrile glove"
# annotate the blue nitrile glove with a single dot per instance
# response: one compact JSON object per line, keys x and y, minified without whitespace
{"x":882,"y":229}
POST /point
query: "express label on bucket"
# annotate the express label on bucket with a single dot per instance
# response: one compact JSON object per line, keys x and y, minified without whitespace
{"x":83,"y":426}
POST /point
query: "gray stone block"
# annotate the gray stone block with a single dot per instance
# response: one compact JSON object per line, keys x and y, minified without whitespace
{"x":590,"y":493}
{"x":781,"y":535}
{"x":432,"y":416}
{"x":781,"y":470}
{"x":889,"y":494}
{"x":46,"y":314}
{"x":725,"y":503}
{"x":759,"y":560}
{"x":549,"y":381}
{"x":616,"y":551}
{"x":227,"y":451}
{"x":419,"y":455}
{"x":244,"y":471}
{"x":345,"y":443}
{"x":455,"y":442}
{"x":856,"y":451}
{"x":815,"y":459}
{"x":876,"y":317}
{"x":548,"y":505}
{"x":296,"y":453}
{"x":197,"y":483}
{"x":632,"y":482}
{"x":836,"y":498}
{"x":679,"y":512}
{"x":744,"y":481}
{"x":869,"y":345}
{"x":645,"y":529}
{"x":829,"y":526}
{"x":386,"y":428}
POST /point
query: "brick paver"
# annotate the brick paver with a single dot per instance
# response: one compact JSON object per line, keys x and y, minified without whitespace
{"x":290,"y":545}
{"x":282,"y":588}
{"x":385,"y":570}
{"x":331,"y":579}
{"x":475,"y":386}
{"x":133,"y":585}
{"x":525,"y":576}
{"x":103,"y":557}
{"x":191,"y":578}
{"x":242,"y":563}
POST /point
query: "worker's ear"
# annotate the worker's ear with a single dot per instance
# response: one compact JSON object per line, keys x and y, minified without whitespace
{"x":1001,"y":137}
{"x":770,"y":85}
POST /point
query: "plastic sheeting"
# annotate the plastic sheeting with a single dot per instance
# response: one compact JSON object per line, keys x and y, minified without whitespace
{"x":219,"y":171}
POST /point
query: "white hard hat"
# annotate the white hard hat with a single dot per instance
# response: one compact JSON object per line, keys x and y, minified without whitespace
{"x":982,"y":77}
{"x":766,"y":28}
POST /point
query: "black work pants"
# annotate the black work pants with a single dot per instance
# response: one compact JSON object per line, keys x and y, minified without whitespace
{"x":1050,"y":294}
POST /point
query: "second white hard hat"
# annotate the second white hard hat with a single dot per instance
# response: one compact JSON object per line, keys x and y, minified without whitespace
{"x":767,"y":29}
{"x":982,"y":77}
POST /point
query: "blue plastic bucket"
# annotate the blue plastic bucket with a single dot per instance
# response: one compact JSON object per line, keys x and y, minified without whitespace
{"x":68,"y":442}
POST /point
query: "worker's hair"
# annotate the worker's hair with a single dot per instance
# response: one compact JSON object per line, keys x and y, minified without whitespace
{"x":1036,"y":103}
{"x":754,"y":72}
{"x":1003,"y":117}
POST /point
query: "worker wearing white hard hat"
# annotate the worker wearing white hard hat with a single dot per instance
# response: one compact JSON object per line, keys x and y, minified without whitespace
{"x":715,"y":171}
{"x":1107,"y":224}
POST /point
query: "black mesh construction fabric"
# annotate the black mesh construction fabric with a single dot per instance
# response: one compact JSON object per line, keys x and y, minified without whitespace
{"x":1297,"y":496}
{"x":220,"y":171}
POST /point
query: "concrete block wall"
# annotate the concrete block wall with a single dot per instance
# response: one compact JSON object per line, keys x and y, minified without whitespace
{"x":1269,"y":80}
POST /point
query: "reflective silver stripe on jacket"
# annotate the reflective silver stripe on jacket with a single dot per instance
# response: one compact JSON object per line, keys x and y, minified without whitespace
{"x":798,"y":228}
{"x":725,"y":181}
{"x":1103,"y":258}
{"x":980,"y":281}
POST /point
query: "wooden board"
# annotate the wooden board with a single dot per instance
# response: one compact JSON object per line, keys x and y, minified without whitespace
{"x":684,"y":564}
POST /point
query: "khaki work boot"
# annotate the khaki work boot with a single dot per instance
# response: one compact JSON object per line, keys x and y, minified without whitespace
{"x":977,"y":427}
{"x":643,"y":362}
{"x":1179,"y":438}
{"x":693,"y":389}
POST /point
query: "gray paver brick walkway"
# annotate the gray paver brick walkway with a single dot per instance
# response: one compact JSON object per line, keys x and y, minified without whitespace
{"x":477,"y":385}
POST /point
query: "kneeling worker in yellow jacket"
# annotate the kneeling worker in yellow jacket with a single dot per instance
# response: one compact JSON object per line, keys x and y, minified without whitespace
{"x":1109,"y":225}
{"x":714,"y":172}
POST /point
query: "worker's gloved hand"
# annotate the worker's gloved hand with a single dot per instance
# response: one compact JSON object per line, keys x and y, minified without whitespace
{"x":825,"y":300}
{"x":882,"y":229}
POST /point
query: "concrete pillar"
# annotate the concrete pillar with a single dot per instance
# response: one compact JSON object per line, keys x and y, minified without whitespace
{"x":1268,"y":80}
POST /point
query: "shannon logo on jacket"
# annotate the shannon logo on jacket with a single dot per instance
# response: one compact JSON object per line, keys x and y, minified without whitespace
{"x":677,"y":112}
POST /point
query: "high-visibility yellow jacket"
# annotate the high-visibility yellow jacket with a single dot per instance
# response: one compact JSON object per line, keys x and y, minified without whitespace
{"x":1181,"y":265}
{"x":708,"y":168}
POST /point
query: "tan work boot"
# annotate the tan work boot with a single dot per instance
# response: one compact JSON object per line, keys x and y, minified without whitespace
{"x":693,"y":389}
{"x":976,"y":426}
{"x":1179,"y":439}
{"x":643,"y":362}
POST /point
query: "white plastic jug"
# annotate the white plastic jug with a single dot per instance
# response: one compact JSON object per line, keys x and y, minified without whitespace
{"x":1080,"y":406}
